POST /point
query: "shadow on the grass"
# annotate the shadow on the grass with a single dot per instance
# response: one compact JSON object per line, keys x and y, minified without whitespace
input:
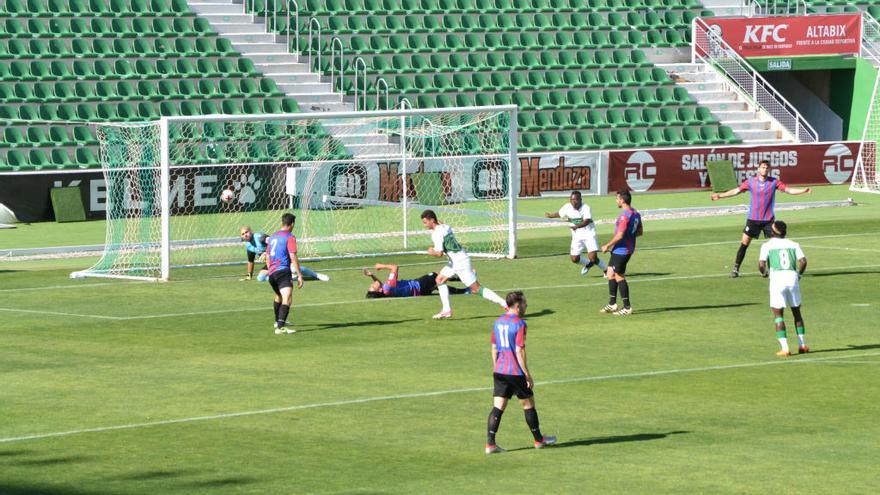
{"x":48,"y":461}
{"x":159,"y":474}
{"x":316,"y":327}
{"x":647,"y":274}
{"x":864,"y":347}
{"x":585,"y":442}
{"x":226,"y":482}
{"x":13,"y":453}
{"x":9,"y":489}
{"x":693,"y":308}
{"x":837,"y":274}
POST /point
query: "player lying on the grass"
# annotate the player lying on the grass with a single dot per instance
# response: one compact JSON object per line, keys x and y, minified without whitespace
{"x":622,"y":246}
{"x":511,"y":373}
{"x":777,"y":261}
{"x":255,"y":245}
{"x":583,"y":232}
{"x":394,"y":287}
{"x":762,"y":189}
{"x":459,"y":264}
{"x":281,"y":257}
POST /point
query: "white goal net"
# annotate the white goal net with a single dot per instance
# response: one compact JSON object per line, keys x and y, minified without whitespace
{"x":178,"y":190}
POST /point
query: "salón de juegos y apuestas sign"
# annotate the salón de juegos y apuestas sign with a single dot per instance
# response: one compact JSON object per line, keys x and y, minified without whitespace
{"x":828,"y":34}
{"x":685,"y":168}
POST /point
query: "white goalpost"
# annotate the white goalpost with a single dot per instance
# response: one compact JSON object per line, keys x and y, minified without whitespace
{"x":179,"y":189}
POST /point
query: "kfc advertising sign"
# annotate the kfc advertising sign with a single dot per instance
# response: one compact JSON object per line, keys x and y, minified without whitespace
{"x":685,"y":168}
{"x":790,"y":35}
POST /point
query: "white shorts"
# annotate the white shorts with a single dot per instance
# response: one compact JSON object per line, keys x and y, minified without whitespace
{"x":463,"y":269}
{"x":782,"y":295}
{"x":581,"y":244}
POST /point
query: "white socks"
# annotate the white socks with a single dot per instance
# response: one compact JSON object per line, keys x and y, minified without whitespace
{"x":784,"y":343}
{"x":443,"y":289}
{"x":801,"y":339}
{"x":492,"y":296}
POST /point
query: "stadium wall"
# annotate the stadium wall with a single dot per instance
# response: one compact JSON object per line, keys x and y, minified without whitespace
{"x":540,"y":175}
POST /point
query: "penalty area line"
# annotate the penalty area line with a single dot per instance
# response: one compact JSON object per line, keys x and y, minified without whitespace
{"x":420,"y":395}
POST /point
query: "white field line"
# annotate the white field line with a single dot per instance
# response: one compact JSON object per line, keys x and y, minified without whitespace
{"x":418,"y":395}
{"x":839,"y":248}
{"x":361,"y":301}
{"x":654,"y":248}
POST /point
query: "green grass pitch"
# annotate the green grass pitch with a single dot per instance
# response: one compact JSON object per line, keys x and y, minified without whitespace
{"x":112,"y":387}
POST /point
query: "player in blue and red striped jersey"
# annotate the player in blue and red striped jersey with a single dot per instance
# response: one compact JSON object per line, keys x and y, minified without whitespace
{"x":280,"y":258}
{"x":622,"y":246}
{"x":511,"y":374}
{"x":762,"y":188}
{"x":396,"y":287}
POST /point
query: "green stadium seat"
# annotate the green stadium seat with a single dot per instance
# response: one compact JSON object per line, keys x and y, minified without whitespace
{"x":60,"y":159}
{"x":13,"y":136}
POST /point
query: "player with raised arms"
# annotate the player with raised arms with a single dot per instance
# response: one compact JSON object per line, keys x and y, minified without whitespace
{"x":459,"y":264}
{"x":762,"y":188}
{"x":583,"y":232}
{"x":777,"y":261}
{"x":281,"y":257}
{"x":511,"y":373}
{"x":395,"y":287}
{"x":622,"y":246}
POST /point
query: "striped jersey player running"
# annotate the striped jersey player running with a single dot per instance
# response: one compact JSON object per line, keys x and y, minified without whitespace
{"x":444,"y":243}
{"x":762,"y":188}
{"x":784,"y":262}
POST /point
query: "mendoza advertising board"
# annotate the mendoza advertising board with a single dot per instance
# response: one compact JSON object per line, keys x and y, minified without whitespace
{"x":685,"y":168}
{"x":785,"y":36}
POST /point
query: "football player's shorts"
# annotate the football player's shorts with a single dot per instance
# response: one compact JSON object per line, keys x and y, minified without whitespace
{"x":280,"y":279}
{"x":508,"y":385}
{"x":618,"y":262}
{"x":782,"y":295}
{"x":755,"y":227}
{"x":462,"y":268}
{"x":585,"y":243}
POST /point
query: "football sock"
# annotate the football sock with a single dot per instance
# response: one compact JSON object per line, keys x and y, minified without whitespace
{"x":494,"y":422}
{"x":492,"y":296}
{"x":277,"y":307}
{"x":801,"y":333}
{"x":282,"y":314}
{"x":443,"y":290}
{"x":601,"y":264}
{"x":624,"y":292}
{"x":532,"y":421}
{"x":308,"y":273}
{"x":612,"y":291}
{"x":780,"y":334}
{"x":585,"y":261}
{"x":740,"y":256}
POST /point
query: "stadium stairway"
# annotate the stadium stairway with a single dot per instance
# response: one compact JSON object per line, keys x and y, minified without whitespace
{"x":293,"y":76}
{"x":711,"y":90}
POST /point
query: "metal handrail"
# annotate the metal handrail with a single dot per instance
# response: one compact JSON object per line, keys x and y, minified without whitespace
{"x":774,"y":7}
{"x":381,"y":80}
{"x":870,"y":43}
{"x":274,"y":20}
{"x":312,"y":22}
{"x":800,"y":128}
{"x":333,"y":69}
{"x":360,"y":62}
{"x":296,"y":20}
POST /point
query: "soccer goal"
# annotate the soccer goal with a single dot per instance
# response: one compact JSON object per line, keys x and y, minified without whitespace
{"x":179,"y":189}
{"x":865,"y":177}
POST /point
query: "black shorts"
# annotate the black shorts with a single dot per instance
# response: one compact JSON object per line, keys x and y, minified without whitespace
{"x":280,"y":279}
{"x":251,"y":256}
{"x":508,"y":385}
{"x":755,"y":227}
{"x":427,"y":283}
{"x":618,"y":262}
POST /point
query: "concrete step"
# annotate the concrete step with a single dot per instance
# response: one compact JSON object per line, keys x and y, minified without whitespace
{"x":702,"y":86}
{"x":725,"y":105}
{"x":289,"y":77}
{"x":216,"y":8}
{"x":230,"y":18}
{"x":271,"y":53}
{"x":735,"y":115}
{"x":307,"y":97}
{"x":701,"y":96}
{"x":760,"y":134}
{"x":227,"y":28}
{"x":338,"y":106}
{"x":748,"y":125}
{"x":257,"y":36}
{"x":374,"y":151}
{"x":303,"y":88}
{"x":364,"y":139}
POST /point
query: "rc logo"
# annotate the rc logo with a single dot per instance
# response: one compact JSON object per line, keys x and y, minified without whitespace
{"x":838,"y":163}
{"x":640,"y":171}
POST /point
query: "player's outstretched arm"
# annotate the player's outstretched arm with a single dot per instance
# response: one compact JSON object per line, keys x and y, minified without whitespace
{"x":798,"y":190}
{"x":726,"y":194}
{"x":548,"y":214}
{"x":382,"y":266}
